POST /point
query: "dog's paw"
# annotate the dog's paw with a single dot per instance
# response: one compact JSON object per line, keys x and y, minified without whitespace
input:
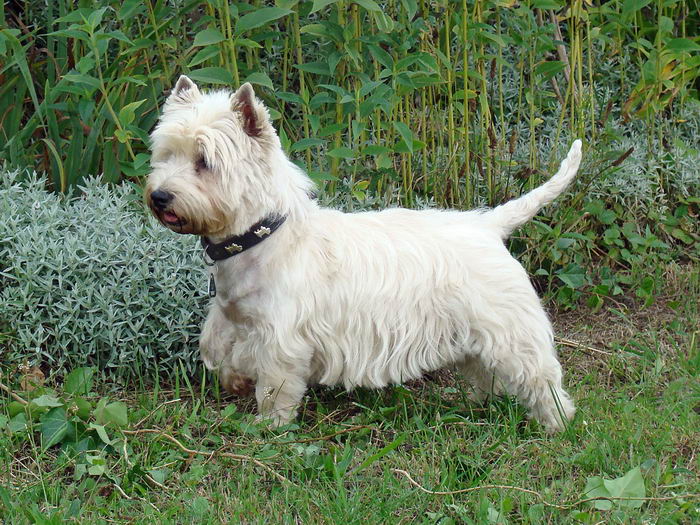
{"x":275,"y":420}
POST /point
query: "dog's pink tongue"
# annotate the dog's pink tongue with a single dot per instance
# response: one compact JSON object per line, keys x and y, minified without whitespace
{"x":170,"y":217}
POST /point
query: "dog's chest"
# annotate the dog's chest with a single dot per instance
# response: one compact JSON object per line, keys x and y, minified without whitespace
{"x":234,"y":278}
{"x":239,"y":288}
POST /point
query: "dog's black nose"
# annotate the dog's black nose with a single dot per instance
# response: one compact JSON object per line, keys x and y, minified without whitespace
{"x":160,"y":199}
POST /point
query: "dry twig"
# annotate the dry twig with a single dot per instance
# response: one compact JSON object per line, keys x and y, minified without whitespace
{"x":322,"y":438}
{"x":155,"y":410}
{"x":125,"y":495}
{"x":539,"y":496}
{"x":14,"y":396}
{"x":131,"y":465}
{"x":576,"y":344}
{"x":563,"y":56}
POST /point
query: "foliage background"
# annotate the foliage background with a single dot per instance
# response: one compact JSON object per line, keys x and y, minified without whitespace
{"x":87,"y":281}
{"x":413,"y":102}
{"x":467,"y":102}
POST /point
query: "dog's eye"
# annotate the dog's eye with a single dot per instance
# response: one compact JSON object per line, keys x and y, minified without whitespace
{"x":200,"y":163}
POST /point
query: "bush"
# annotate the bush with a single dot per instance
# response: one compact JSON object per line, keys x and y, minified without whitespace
{"x":91,"y":280}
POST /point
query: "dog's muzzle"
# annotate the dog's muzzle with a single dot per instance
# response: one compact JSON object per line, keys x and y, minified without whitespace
{"x":160,"y":202}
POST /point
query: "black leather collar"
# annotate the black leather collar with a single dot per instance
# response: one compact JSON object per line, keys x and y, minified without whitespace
{"x":257,"y":233}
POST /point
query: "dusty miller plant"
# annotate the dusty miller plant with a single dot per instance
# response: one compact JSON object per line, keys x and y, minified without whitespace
{"x":92,"y":280}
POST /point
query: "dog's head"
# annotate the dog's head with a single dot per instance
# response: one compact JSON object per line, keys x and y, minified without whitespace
{"x":213,"y":161}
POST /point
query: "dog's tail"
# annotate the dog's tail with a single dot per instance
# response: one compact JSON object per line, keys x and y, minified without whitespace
{"x":507,"y":217}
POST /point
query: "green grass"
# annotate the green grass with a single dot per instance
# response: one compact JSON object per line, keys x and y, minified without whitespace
{"x":634,"y":381}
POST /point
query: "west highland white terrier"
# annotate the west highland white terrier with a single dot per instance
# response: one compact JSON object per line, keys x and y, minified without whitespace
{"x":305,"y":295}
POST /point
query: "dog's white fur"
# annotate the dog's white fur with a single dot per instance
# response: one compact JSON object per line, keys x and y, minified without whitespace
{"x":362,"y":299}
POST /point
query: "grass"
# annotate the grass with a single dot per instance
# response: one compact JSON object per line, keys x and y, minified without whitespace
{"x":348,"y":458}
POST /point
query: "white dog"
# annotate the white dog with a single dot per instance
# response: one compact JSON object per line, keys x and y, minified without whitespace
{"x":309,"y":295}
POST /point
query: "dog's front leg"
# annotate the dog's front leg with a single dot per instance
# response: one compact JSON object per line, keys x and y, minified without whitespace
{"x":215,"y":346}
{"x":279,"y":395}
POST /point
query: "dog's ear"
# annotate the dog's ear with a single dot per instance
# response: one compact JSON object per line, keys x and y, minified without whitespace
{"x":184,"y":90}
{"x":254,"y":113}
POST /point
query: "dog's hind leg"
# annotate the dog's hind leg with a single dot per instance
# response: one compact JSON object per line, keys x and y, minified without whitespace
{"x":542,"y":393}
{"x":484,"y":383}
{"x":534,"y":377}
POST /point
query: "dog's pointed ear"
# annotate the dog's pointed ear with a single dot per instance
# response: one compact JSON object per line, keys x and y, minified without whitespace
{"x":184,"y":83}
{"x":184,"y":89}
{"x":253,"y":112}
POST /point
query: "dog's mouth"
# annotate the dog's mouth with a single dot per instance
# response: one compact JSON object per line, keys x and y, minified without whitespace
{"x":171,"y":219}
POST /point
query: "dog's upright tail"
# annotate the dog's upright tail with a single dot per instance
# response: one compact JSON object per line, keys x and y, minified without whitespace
{"x":507,"y":217}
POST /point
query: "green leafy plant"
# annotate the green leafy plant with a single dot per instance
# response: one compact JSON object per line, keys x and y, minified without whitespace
{"x":82,"y":426}
{"x":630,"y":486}
{"x":452,"y":101}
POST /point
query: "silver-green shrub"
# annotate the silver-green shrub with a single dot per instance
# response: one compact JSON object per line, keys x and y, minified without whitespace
{"x":93,"y":279}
